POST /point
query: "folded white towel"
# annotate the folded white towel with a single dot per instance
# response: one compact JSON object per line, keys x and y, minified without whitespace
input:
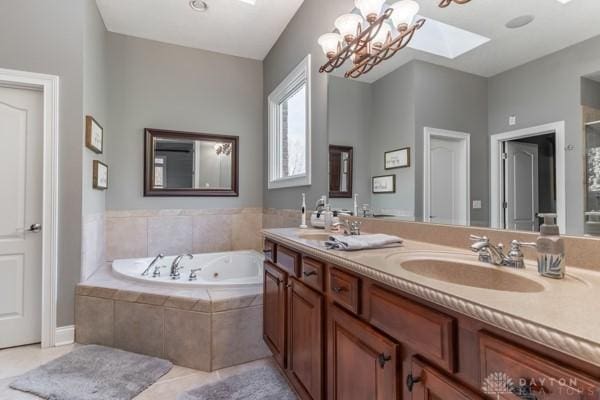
{"x":362,"y":242}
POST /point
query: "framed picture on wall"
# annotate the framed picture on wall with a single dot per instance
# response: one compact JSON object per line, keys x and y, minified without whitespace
{"x":384,"y":184}
{"x":100,"y":175}
{"x":397,"y":158}
{"x":94,"y":135}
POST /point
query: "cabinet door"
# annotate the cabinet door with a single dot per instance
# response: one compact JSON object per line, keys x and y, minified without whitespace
{"x":305,"y":340}
{"x":362,"y":363}
{"x":426,"y":383}
{"x":274,"y":305}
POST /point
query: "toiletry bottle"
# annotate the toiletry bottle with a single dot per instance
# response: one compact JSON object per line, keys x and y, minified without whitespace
{"x":328,"y":217}
{"x":355,"y":208}
{"x":551,"y":249}
{"x":303,"y":211}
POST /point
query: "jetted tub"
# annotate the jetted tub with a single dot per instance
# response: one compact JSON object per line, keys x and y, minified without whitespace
{"x":228,"y":269}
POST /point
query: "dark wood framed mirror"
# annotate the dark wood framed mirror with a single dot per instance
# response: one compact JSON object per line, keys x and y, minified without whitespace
{"x":340,"y":171}
{"x":190,"y":164}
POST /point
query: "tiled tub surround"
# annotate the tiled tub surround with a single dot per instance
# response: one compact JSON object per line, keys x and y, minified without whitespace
{"x":203,"y":329}
{"x":93,"y":244}
{"x":559,"y":316}
{"x":146,"y":233}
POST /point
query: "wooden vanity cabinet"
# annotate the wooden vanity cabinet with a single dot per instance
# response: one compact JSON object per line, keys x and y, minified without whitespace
{"x":305,"y":340}
{"x":274,"y":311}
{"x":339,"y":335}
{"x":362,"y":363}
{"x":425,"y":382}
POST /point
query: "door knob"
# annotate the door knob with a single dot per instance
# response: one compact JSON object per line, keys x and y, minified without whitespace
{"x":35,"y":228}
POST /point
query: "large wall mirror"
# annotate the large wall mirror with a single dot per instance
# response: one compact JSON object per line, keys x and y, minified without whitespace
{"x":498,"y":132}
{"x":190,"y":164}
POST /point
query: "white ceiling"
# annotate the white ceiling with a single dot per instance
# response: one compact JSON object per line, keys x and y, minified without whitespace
{"x":232,"y":27}
{"x":555,"y":27}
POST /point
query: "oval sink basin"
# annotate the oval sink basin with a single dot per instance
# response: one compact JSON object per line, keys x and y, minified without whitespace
{"x":472,"y":275}
{"x":321,"y":237}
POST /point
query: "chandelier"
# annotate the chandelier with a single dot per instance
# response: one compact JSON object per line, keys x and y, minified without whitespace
{"x":369,"y":39}
{"x":446,"y":3}
{"x":223,"y":148}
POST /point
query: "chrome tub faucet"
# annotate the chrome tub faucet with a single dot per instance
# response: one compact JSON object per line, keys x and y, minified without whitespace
{"x":176,"y":267}
{"x":147,"y":270}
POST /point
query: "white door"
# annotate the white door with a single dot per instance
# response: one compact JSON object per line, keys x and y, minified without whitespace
{"x":522,"y":186}
{"x":448,"y":180}
{"x":21,"y":152}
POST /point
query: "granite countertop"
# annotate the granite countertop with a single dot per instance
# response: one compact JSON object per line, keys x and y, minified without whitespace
{"x":557,"y":314}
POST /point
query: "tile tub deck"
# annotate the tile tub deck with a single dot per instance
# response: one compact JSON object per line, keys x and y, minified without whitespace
{"x":199,"y":328}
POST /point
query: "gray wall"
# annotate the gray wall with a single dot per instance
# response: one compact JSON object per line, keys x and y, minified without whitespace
{"x":47,"y":37}
{"x":456,"y":101}
{"x":590,"y":93}
{"x":297,"y":40}
{"x":549,"y":90}
{"x":94,"y":99}
{"x":393,"y":127}
{"x":348,"y":125}
{"x":155,"y":85}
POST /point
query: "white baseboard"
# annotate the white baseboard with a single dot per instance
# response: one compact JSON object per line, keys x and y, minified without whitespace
{"x":64,"y":335}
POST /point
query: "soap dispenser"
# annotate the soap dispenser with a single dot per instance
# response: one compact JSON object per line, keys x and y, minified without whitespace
{"x":551,"y":249}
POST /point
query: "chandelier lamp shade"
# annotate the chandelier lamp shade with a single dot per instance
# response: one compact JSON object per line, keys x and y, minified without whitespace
{"x":371,"y":37}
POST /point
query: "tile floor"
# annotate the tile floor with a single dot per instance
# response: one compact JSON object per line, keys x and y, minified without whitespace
{"x":18,"y":360}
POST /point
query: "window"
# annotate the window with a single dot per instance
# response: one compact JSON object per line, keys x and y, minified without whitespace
{"x":289,"y":130}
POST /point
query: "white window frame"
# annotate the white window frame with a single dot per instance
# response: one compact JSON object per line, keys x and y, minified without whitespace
{"x":301,"y":75}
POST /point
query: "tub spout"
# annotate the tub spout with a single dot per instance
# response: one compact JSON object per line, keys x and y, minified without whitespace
{"x":175,"y":267}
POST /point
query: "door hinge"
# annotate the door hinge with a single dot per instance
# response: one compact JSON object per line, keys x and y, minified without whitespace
{"x":505,"y":205}
{"x":505,"y":156}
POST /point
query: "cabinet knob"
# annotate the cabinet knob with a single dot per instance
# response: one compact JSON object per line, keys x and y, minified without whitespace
{"x":383,"y":359}
{"x":411,"y":381}
{"x":309,"y":273}
{"x":338,"y":289}
{"x":526,"y":391}
{"x":289,"y":285}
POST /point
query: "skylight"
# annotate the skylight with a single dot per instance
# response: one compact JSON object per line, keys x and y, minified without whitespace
{"x":445,"y":40}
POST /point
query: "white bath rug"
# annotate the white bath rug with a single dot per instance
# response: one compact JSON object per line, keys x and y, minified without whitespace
{"x":93,"y":373}
{"x":265,"y":383}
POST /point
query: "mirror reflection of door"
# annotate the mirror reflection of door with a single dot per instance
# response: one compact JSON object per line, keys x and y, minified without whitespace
{"x":447,"y":191}
{"x":529,"y":181}
{"x":340,"y":171}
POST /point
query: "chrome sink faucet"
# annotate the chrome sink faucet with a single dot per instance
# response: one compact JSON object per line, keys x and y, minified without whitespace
{"x":494,"y":254}
{"x":175,"y":267}
{"x":351,"y":228}
{"x":147,"y":270}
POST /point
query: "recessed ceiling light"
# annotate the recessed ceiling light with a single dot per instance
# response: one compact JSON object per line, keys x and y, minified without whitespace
{"x":564,"y":1}
{"x":520,"y":21}
{"x":253,"y":2}
{"x":199,"y":5}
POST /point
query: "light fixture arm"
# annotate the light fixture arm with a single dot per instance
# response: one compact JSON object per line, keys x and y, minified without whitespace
{"x":446,"y":3}
{"x":389,"y":49}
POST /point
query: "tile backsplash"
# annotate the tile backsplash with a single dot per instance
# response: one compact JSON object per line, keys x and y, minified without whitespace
{"x":146,"y":233}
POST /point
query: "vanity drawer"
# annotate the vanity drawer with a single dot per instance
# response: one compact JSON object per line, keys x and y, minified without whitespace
{"x":288,"y":260}
{"x":312,"y":273}
{"x":344,"y":289}
{"x":269,"y":250}
{"x":547,"y":379}
{"x":430,"y":333}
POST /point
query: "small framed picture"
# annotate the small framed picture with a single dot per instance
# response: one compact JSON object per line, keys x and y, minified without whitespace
{"x":94,"y":135}
{"x":100,"y":175}
{"x":397,"y":158}
{"x":384,"y":184}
